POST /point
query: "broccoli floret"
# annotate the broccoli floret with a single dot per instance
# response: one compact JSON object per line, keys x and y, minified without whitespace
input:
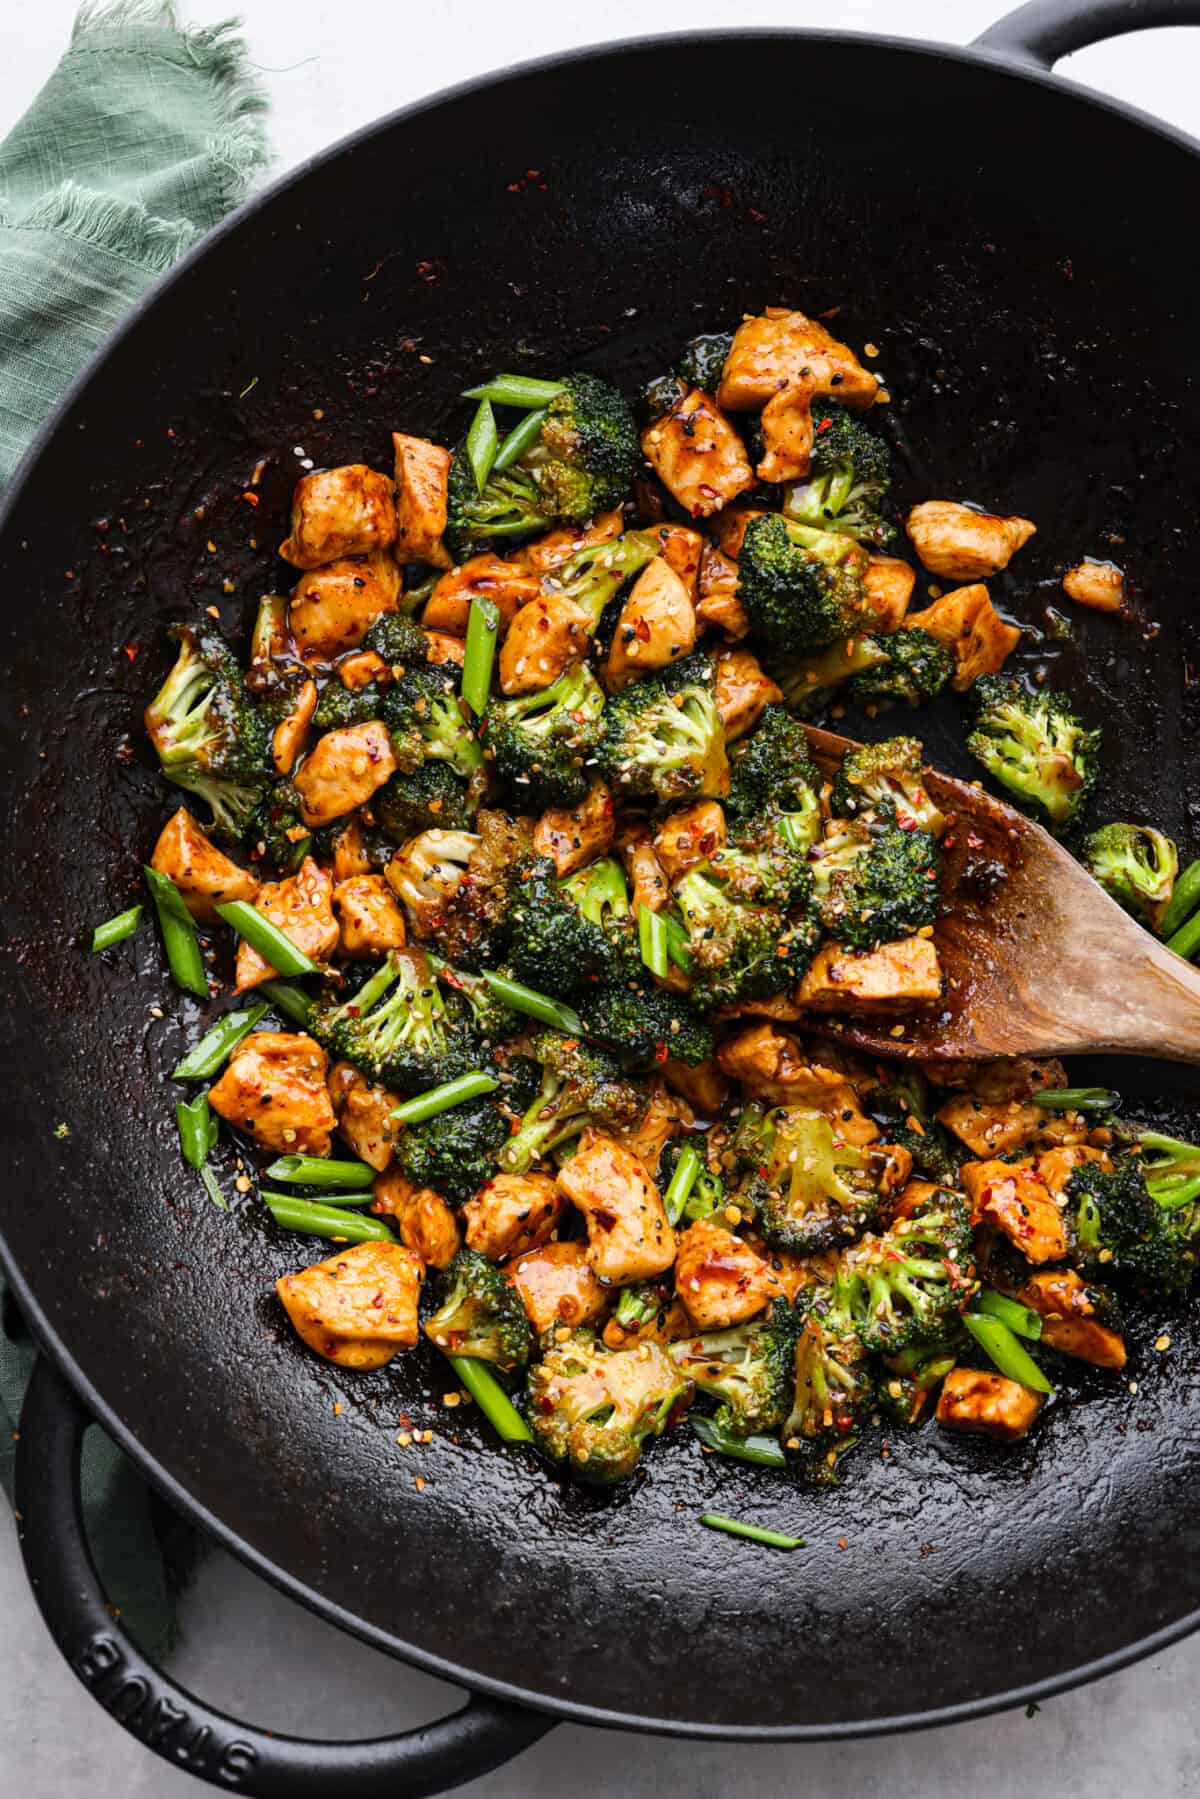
{"x":481,"y":1314}
{"x":914,"y":1375}
{"x":594,"y":576}
{"x":812,"y":1191}
{"x":430,"y":798}
{"x":708,"y":1189}
{"x":341,"y":706}
{"x":662,"y":394}
{"x":874,"y":881}
{"x":540,"y":742}
{"x":594,"y":1407}
{"x":663,"y":738}
{"x":428,"y":871}
{"x":749,"y":1369}
{"x":700,"y":365}
{"x":801,"y":588}
{"x":588,"y":452}
{"x":509,"y":508}
{"x":398,"y":639}
{"x":1119,"y":1230}
{"x":1137,"y":865}
{"x":1034,"y":745}
{"x":423,"y":713}
{"x":703,"y":360}
{"x":644,"y":1303}
{"x":470,"y":925}
{"x":833,"y":1387}
{"x":914,"y":668}
{"x":566,"y":934}
{"x":809,"y":683}
{"x":277,"y":825}
{"x":740,"y":949}
{"x":581,"y":463}
{"x":397,"y":1028}
{"x":455,"y":1151}
{"x":849,"y":474}
{"x":490,"y":1019}
{"x":274,"y":678}
{"x":209,"y":738}
{"x":902,"y":1111}
{"x":644,"y":1023}
{"x":760,"y":863}
{"x":905,"y":1286}
{"x":580,"y":1083}
{"x":886,"y":774}
{"x":773,"y":777}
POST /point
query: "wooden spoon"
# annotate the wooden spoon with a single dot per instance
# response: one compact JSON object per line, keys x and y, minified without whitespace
{"x":1036,"y":959}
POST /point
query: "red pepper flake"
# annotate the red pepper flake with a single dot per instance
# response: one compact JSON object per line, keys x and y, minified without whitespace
{"x":826,"y":424}
{"x":130,"y":650}
{"x":660,"y":1052}
{"x":974,"y":841}
{"x":949,"y":841}
{"x":641,"y":630}
{"x":841,"y":1542}
{"x":251,"y":499}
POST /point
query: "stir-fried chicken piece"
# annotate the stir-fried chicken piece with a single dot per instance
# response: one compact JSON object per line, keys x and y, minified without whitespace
{"x":777,"y":1069}
{"x":289,"y":740}
{"x":656,"y":627}
{"x":545,"y":554}
{"x":558,"y":1286}
{"x":783,"y":348}
{"x":544,"y":638}
{"x":512,"y":1214}
{"x":358,"y":1308}
{"x":422,"y":475}
{"x":302,"y":908}
{"x":893,"y":977}
{"x":1100,"y":585}
{"x":426,"y":1223}
{"x":575,"y":835}
{"x":334,"y":607}
{"x":720,"y":1278}
{"x":698,"y":456}
{"x":961,"y":544}
{"x":370,"y":921}
{"x":967,"y":624}
{"x":987,"y":1405}
{"x":688,"y":837}
{"x":487,"y":577}
{"x":336,"y":512}
{"x":1067,"y":1308}
{"x":889,"y":584}
{"x":629,"y":1238}
{"x":205,"y":878}
{"x":274,"y":1089}
{"x":364,"y":1115}
{"x":343,"y":770}
{"x":743,"y":692}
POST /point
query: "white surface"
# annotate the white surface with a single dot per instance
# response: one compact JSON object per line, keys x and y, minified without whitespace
{"x":330,"y":68}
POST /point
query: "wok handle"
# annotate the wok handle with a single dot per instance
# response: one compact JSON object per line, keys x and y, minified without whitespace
{"x":1045,"y":30}
{"x":171,"y":1721}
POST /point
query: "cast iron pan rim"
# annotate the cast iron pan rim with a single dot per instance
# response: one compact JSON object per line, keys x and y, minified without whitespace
{"x":47,"y":1337}
{"x":178,"y":1496}
{"x":966,"y":55}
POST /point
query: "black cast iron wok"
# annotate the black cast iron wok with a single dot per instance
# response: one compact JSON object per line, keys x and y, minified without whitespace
{"x":1024,"y":254}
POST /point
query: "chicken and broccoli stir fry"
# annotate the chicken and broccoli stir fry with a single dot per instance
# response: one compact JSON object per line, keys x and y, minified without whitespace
{"x":511,"y":807}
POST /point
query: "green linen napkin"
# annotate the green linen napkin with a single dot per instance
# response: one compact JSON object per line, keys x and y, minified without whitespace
{"x":143,"y":138}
